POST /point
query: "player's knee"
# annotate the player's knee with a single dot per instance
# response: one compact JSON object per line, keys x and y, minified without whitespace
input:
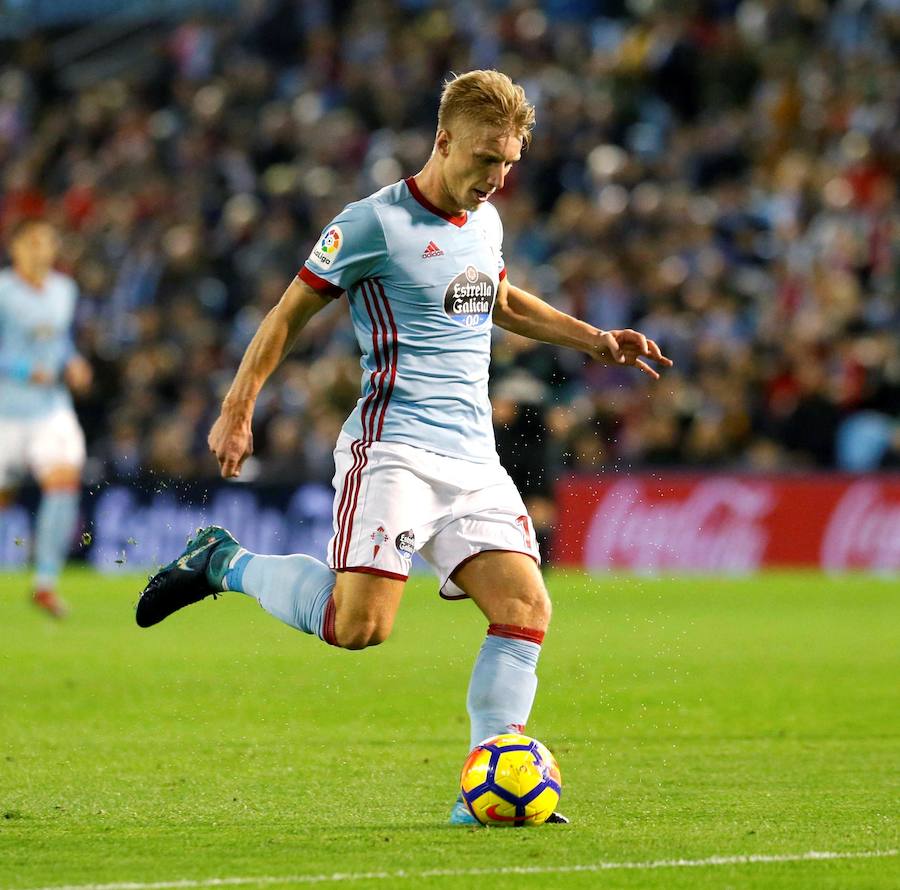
{"x":362,"y":637}
{"x":529,"y":607}
{"x":363,"y":632}
{"x":540,"y":608}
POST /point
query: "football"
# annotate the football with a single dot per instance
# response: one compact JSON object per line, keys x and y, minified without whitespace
{"x":511,"y":780}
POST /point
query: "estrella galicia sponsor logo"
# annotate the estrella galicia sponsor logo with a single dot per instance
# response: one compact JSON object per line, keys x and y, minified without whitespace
{"x":326,"y":251}
{"x":469,"y":298}
{"x":406,"y":543}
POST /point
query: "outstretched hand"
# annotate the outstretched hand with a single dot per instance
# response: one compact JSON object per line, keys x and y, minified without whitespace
{"x":629,"y":347}
{"x":231,"y":440}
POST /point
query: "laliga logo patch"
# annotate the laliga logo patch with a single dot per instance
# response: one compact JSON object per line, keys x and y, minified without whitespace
{"x":469,"y":298}
{"x":327,"y":249}
{"x":406,"y":543}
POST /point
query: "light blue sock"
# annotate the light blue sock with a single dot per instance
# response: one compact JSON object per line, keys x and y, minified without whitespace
{"x":502,"y":688}
{"x":55,"y":526}
{"x":295,"y":589}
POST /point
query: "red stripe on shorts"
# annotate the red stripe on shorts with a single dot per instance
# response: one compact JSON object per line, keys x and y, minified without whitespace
{"x":340,"y":512}
{"x":362,"y":449}
{"x":348,"y":498}
{"x":367,"y":421}
{"x":369,"y":570}
{"x":359,"y":447}
{"x":381,"y":381}
{"x":352,"y":480}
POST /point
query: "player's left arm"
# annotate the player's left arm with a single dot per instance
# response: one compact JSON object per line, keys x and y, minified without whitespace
{"x":524,"y":313}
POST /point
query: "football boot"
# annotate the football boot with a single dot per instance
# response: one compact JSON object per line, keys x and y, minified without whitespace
{"x":49,"y":602}
{"x":192,"y":576}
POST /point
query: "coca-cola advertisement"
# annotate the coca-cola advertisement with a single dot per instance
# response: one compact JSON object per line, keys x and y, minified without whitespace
{"x":730,"y":524}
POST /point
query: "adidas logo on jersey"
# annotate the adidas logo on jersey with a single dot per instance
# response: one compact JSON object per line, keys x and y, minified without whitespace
{"x":432,"y":250}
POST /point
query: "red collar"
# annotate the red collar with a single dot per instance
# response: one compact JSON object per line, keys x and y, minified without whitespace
{"x":416,"y":192}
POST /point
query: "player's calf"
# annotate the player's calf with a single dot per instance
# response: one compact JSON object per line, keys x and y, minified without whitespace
{"x":57,"y":517}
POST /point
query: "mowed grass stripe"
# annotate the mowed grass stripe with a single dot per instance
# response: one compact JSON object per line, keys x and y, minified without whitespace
{"x":342,"y":877}
{"x":691,"y":717}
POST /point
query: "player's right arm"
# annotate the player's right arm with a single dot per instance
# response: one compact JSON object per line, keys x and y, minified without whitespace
{"x":231,"y":438}
{"x":351,"y":247}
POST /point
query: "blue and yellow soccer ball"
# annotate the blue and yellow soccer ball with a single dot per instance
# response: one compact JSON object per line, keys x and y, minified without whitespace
{"x":510,"y":779}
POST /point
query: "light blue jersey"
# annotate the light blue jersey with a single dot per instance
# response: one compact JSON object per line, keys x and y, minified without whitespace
{"x":35,"y":325}
{"x":421,"y":285}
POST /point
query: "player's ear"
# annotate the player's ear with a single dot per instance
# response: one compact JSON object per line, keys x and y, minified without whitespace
{"x":442,"y":143}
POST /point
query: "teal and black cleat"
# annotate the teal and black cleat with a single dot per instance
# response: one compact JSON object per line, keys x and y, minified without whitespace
{"x":460,"y":814}
{"x":196,"y":574}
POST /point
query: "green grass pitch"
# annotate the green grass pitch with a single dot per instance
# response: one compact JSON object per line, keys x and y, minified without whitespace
{"x":692,"y":718}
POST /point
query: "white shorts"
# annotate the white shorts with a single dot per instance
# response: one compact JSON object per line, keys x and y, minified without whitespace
{"x":393,"y":500}
{"x":37,"y":445}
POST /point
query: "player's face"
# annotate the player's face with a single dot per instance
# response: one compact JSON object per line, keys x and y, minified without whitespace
{"x":36,"y":246}
{"x":476,"y":163}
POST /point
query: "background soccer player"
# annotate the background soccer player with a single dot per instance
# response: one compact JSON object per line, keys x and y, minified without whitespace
{"x":38,"y":367}
{"x":416,"y":468}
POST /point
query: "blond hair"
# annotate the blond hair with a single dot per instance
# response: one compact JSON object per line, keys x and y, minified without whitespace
{"x":489,"y":98}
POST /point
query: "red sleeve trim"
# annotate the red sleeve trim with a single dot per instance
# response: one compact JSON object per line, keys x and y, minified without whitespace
{"x":326,"y":288}
{"x":516,"y":632}
{"x":503,"y":273}
{"x":368,"y":570}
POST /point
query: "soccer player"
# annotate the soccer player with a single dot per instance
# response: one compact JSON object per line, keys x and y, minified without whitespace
{"x":38,"y":427}
{"x":416,"y":469}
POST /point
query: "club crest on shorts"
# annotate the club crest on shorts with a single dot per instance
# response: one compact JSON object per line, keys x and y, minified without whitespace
{"x":378,"y":537}
{"x":469,"y":298}
{"x":326,"y":251}
{"x":406,"y":543}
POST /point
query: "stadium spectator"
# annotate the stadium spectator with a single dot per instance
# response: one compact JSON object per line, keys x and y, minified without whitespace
{"x":721,"y":177}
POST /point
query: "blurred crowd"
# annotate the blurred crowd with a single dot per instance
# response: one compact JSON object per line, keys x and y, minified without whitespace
{"x":720,"y":175}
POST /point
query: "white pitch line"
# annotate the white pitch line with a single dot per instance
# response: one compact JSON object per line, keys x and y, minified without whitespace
{"x":340,"y":877}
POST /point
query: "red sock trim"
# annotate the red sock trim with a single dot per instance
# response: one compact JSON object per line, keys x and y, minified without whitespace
{"x":328,"y":623}
{"x":516,"y":632}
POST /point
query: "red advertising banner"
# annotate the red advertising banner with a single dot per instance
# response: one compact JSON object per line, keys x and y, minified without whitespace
{"x":673,"y":522}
